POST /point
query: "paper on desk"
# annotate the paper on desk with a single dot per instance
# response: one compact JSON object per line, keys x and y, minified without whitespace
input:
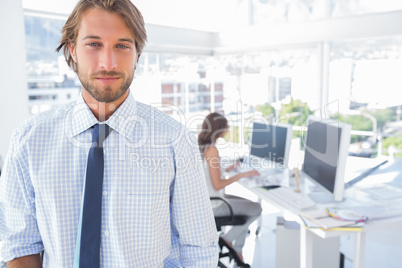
{"x":346,"y":214}
{"x":321,"y":218}
{"x":354,"y":227}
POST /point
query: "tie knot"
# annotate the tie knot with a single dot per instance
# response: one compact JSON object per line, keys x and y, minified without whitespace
{"x":99,"y":135}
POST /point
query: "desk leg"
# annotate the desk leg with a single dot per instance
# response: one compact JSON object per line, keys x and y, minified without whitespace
{"x":306,"y":248}
{"x":259,"y":220}
{"x":360,"y":247}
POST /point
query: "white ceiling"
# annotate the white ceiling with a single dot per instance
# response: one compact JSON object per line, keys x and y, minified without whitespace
{"x":210,"y":15}
{"x":165,"y":21}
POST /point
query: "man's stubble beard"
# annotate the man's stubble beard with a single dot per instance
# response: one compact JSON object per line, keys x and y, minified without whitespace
{"x":106,"y":95}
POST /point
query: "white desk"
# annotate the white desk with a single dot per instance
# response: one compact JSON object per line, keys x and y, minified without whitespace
{"x":306,"y":241}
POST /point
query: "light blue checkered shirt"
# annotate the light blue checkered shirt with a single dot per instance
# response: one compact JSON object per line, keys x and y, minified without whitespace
{"x":155,"y":209}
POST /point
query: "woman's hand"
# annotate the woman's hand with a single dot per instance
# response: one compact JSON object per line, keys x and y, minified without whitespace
{"x":250,"y":173}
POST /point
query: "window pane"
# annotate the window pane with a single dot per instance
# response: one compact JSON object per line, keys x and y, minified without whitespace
{"x":364,"y":81}
{"x":354,"y":7}
{"x":50,"y":80}
{"x":269,"y":77}
{"x":265,"y":12}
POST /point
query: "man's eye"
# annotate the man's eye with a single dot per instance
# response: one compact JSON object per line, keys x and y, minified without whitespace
{"x":122,"y":46}
{"x":94,"y":44}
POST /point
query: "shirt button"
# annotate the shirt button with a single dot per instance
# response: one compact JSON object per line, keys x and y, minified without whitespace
{"x":106,"y":233}
{"x":105,"y":193}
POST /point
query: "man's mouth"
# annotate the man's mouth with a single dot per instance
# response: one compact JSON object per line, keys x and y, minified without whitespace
{"x":107,"y":79}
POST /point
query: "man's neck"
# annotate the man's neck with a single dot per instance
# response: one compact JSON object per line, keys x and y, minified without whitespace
{"x":102,"y":110}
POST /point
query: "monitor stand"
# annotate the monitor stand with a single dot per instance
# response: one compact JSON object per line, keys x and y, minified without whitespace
{"x":321,"y":197}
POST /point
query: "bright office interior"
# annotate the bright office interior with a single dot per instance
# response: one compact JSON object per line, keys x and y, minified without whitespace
{"x":248,"y":59}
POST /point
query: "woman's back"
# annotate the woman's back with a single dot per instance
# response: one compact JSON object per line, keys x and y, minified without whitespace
{"x":211,"y":190}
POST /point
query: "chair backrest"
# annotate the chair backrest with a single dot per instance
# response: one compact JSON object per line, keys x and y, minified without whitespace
{"x":229,"y":220}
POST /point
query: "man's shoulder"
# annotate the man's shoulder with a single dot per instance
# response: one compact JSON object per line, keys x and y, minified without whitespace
{"x":50,"y":118}
{"x":162,"y":120}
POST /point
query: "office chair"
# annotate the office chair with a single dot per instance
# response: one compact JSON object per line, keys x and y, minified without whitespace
{"x":230,"y":220}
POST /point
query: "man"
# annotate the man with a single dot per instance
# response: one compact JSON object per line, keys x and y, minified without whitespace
{"x":155,"y":210}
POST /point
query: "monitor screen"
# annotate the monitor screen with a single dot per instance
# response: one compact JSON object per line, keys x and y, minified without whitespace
{"x":271,"y":141}
{"x":326,"y":149}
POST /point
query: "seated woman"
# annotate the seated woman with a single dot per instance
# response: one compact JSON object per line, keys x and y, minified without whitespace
{"x":215,"y":126}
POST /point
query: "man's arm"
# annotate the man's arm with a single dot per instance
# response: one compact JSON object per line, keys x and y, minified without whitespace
{"x":19,"y":231}
{"x":31,"y":261}
{"x":194,"y":235}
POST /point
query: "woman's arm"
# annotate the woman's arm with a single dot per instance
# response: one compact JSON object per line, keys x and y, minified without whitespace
{"x":213,"y":160}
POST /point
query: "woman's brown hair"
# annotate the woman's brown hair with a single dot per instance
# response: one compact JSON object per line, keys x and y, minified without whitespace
{"x":212,"y":128}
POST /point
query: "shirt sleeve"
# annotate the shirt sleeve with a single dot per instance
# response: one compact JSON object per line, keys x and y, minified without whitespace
{"x":18,"y":226}
{"x":194,"y":234}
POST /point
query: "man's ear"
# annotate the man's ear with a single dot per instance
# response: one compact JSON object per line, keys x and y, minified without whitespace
{"x":71,"y":47}
{"x":136,"y":62}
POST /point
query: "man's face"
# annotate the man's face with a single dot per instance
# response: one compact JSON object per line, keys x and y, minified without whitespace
{"x":105,"y":54}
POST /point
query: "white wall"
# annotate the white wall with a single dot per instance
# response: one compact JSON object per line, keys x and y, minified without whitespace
{"x":13,"y":85}
{"x":308,"y":33}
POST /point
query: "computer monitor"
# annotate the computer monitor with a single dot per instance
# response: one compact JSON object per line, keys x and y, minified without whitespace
{"x":325,"y":152}
{"x":271,"y":142}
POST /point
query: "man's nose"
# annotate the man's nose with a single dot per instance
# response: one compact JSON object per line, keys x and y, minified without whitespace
{"x":108,"y":59}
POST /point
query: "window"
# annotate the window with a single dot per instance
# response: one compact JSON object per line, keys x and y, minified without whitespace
{"x":288,"y":81}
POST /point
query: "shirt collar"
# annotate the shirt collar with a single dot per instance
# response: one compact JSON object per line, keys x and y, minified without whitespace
{"x":123,"y":119}
{"x":81,"y":118}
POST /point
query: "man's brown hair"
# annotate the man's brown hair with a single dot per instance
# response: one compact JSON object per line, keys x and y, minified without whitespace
{"x":128,"y":12}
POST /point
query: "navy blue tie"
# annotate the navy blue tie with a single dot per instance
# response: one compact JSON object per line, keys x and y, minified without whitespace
{"x":92,"y":205}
